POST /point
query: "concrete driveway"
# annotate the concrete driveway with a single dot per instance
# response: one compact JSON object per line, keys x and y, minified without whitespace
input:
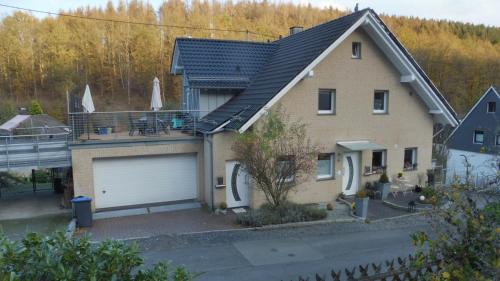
{"x":154,"y":224}
{"x":287,"y":253}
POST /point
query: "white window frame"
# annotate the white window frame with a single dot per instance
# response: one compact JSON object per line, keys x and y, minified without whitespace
{"x":414,"y":163}
{"x":355,"y":55}
{"x":474,"y":137}
{"x":292,"y":177}
{"x":386,"y":102}
{"x":332,"y":167}
{"x":333,"y":101}
{"x":384,"y":158}
{"x":488,"y":107}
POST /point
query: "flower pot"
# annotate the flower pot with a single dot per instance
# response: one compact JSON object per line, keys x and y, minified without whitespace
{"x":384,"y":189}
{"x":361,"y":207}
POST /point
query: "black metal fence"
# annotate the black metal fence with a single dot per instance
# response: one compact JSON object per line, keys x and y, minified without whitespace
{"x":411,"y":268}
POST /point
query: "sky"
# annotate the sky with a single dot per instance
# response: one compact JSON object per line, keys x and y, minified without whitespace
{"x":472,"y":11}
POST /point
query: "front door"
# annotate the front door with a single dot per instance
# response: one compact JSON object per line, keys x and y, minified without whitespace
{"x":237,"y":185}
{"x":350,"y":178}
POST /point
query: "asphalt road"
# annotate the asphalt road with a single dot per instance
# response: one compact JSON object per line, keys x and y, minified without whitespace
{"x":285,"y":254}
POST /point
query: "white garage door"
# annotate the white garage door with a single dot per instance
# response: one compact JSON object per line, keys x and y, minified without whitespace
{"x":142,"y":180}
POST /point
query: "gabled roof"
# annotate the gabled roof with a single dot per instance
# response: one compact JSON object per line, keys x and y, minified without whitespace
{"x":491,"y":90}
{"x":291,"y":58}
{"x":219,"y":63}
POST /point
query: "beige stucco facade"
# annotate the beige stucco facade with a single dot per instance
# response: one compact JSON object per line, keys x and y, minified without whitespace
{"x":407,"y":124}
{"x":83,"y":156}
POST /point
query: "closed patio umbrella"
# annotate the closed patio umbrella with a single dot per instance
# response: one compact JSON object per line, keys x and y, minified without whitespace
{"x":156,"y":103}
{"x":88,"y":106}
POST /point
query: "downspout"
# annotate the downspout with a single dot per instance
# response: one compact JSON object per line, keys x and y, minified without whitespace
{"x":211,"y":169}
{"x":208,"y":136}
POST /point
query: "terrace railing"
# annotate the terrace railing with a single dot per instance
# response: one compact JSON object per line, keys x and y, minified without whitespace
{"x":35,"y":150}
{"x":120,"y":125}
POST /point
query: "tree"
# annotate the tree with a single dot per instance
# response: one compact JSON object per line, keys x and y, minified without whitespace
{"x":277,"y":154}
{"x":466,"y":236}
{"x":35,"y":108}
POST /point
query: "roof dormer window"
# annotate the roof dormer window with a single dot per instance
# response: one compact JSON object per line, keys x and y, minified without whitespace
{"x":356,"y":50}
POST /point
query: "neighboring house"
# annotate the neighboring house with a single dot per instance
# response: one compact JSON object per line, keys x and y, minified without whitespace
{"x":363,"y":97}
{"x":476,"y":141}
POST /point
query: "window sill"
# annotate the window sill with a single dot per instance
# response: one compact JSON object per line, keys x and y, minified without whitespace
{"x":325,"y":178}
{"x":374,"y":172}
{"x":326,"y":113}
{"x":380,"y":113}
{"x":409,"y":169}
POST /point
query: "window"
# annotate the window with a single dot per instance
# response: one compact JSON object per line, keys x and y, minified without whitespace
{"x":378,"y":161}
{"x":497,"y":142}
{"x":478,"y":137}
{"x":326,"y":102}
{"x":380,"y":102}
{"x":410,"y":161}
{"x":326,"y":166}
{"x":285,"y":164}
{"x":356,"y":50}
{"x":492,"y":107}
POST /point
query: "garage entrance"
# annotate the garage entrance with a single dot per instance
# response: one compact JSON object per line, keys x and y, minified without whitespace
{"x":128,"y":181}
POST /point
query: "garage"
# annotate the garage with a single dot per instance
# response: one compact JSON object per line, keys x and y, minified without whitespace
{"x":126,"y":181}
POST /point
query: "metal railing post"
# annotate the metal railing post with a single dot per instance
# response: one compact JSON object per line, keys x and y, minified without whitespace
{"x":7,"y":152}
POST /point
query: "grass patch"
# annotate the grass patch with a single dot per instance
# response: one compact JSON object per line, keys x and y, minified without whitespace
{"x":286,"y":213}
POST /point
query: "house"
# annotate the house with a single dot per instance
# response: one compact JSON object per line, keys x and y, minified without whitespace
{"x":474,"y":146}
{"x":361,"y":94}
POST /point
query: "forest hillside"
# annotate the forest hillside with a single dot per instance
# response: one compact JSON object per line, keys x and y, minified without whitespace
{"x":43,"y":57}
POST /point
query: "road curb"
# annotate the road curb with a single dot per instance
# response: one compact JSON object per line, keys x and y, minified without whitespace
{"x":70,"y":230}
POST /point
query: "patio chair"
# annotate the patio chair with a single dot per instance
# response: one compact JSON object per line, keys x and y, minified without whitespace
{"x":135,"y":125}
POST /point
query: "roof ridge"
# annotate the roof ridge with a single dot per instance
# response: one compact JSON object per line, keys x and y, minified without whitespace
{"x":325,"y":23}
{"x":224,"y":40}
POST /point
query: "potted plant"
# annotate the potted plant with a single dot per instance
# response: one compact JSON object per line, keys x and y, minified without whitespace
{"x":361,"y":204}
{"x":384,"y":186}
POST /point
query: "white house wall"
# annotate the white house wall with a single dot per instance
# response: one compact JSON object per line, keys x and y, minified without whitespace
{"x":482,"y":166}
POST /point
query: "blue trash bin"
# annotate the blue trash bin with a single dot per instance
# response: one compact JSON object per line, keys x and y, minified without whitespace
{"x":82,"y":211}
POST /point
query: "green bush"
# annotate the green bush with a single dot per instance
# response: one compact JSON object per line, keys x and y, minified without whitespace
{"x":383,"y":178}
{"x":55,"y":258}
{"x":285,"y":213}
{"x":35,"y":108}
{"x":41,"y":176}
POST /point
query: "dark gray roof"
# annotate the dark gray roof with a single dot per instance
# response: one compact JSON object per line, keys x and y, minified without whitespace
{"x":221,"y":63}
{"x":291,"y":56}
{"x":278,"y":64}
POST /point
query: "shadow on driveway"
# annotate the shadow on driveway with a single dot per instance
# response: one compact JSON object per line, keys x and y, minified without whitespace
{"x":173,"y":222}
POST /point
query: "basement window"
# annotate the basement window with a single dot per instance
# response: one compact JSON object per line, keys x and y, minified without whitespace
{"x":356,"y":50}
